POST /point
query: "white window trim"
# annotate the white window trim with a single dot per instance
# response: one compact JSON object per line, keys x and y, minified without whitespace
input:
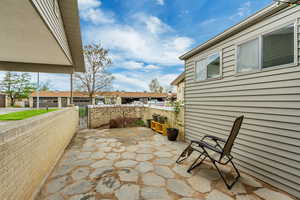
{"x":205,"y":58}
{"x":260,"y":36}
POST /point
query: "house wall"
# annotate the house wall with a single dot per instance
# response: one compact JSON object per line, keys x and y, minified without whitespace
{"x":268,"y":144}
{"x":180,"y":91}
{"x":30,"y":149}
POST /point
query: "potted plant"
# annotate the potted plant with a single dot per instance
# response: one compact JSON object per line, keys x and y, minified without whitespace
{"x":173,"y":132}
{"x":162,"y":119}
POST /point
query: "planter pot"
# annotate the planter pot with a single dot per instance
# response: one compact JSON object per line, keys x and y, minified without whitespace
{"x":155,"y":117}
{"x":149,"y":123}
{"x":172,"y":133}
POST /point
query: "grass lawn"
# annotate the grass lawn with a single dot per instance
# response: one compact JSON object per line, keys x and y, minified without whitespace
{"x":24,"y":114}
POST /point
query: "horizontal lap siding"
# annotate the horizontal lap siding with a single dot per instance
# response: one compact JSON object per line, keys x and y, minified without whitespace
{"x":54,"y":21}
{"x":268,"y":145}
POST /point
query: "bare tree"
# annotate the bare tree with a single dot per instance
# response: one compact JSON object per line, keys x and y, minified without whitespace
{"x":154,"y":86}
{"x":97,"y":77}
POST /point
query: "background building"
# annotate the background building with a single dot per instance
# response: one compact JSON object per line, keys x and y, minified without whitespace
{"x":179,"y":83}
{"x":62,"y":99}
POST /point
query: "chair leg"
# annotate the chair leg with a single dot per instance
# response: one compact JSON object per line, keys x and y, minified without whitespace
{"x":195,"y":164}
{"x":185,"y":154}
{"x":229,"y":186}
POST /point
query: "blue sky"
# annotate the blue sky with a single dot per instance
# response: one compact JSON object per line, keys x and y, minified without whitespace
{"x":145,"y":37}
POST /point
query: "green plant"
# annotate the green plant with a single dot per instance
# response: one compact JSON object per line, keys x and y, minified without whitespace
{"x":139,"y":122}
{"x":24,"y":114}
{"x":177,"y":108}
{"x":82,"y":112}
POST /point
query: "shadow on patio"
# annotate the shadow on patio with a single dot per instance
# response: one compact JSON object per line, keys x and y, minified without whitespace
{"x":136,"y":163}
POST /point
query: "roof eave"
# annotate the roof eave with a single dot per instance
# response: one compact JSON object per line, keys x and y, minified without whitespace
{"x":253,"y":19}
{"x":179,"y":79}
{"x":71,"y":21}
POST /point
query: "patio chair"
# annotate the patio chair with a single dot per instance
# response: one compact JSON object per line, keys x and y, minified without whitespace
{"x":221,"y":148}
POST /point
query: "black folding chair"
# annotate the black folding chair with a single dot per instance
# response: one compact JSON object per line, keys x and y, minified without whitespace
{"x":223,"y":151}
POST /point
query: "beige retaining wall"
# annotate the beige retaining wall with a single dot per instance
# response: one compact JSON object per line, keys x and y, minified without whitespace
{"x":101,"y":115}
{"x":29,"y":149}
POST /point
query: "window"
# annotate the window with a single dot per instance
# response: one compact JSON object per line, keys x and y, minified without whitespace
{"x":272,"y":49}
{"x":213,"y":66}
{"x":200,"y":70}
{"x":278,"y":47}
{"x":248,"y":56}
{"x":208,"y":68}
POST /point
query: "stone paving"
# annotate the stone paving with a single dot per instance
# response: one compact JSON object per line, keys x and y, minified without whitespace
{"x":138,"y":164}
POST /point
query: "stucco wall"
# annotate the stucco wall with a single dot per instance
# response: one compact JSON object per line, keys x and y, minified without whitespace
{"x":30,"y":148}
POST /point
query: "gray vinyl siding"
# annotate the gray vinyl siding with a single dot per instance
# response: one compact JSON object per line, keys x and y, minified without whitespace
{"x":268,"y":145}
{"x":49,"y":11}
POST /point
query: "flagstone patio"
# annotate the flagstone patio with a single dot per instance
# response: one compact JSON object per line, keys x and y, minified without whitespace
{"x":136,"y":163}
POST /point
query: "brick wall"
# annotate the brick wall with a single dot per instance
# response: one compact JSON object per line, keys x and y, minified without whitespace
{"x":30,"y":148}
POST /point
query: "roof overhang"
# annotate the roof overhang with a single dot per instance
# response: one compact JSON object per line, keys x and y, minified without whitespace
{"x":253,"y":19}
{"x":32,"y":42}
{"x":178,"y":79}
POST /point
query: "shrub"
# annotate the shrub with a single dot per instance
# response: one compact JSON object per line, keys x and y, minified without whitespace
{"x":140,"y":122}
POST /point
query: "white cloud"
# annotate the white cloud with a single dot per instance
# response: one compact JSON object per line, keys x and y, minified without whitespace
{"x":135,"y":66}
{"x":90,"y":11}
{"x":129,"y":83}
{"x":141,"y":46}
{"x":149,"y":67}
{"x":132,"y":65}
{"x":134,"y":44}
{"x":208,"y":21}
{"x":153,"y":24}
{"x":243,"y":11}
{"x":160,"y":2}
{"x":140,"y":81}
{"x":97,"y":16}
{"x":88,"y":4}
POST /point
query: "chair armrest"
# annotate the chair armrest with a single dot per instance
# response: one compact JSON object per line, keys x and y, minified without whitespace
{"x":214,"y":138}
{"x":206,"y":145}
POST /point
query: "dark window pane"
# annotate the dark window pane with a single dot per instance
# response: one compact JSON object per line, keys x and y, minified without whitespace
{"x":278,"y":47}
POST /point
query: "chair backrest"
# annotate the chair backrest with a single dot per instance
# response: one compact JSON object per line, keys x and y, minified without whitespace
{"x":233,"y":133}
